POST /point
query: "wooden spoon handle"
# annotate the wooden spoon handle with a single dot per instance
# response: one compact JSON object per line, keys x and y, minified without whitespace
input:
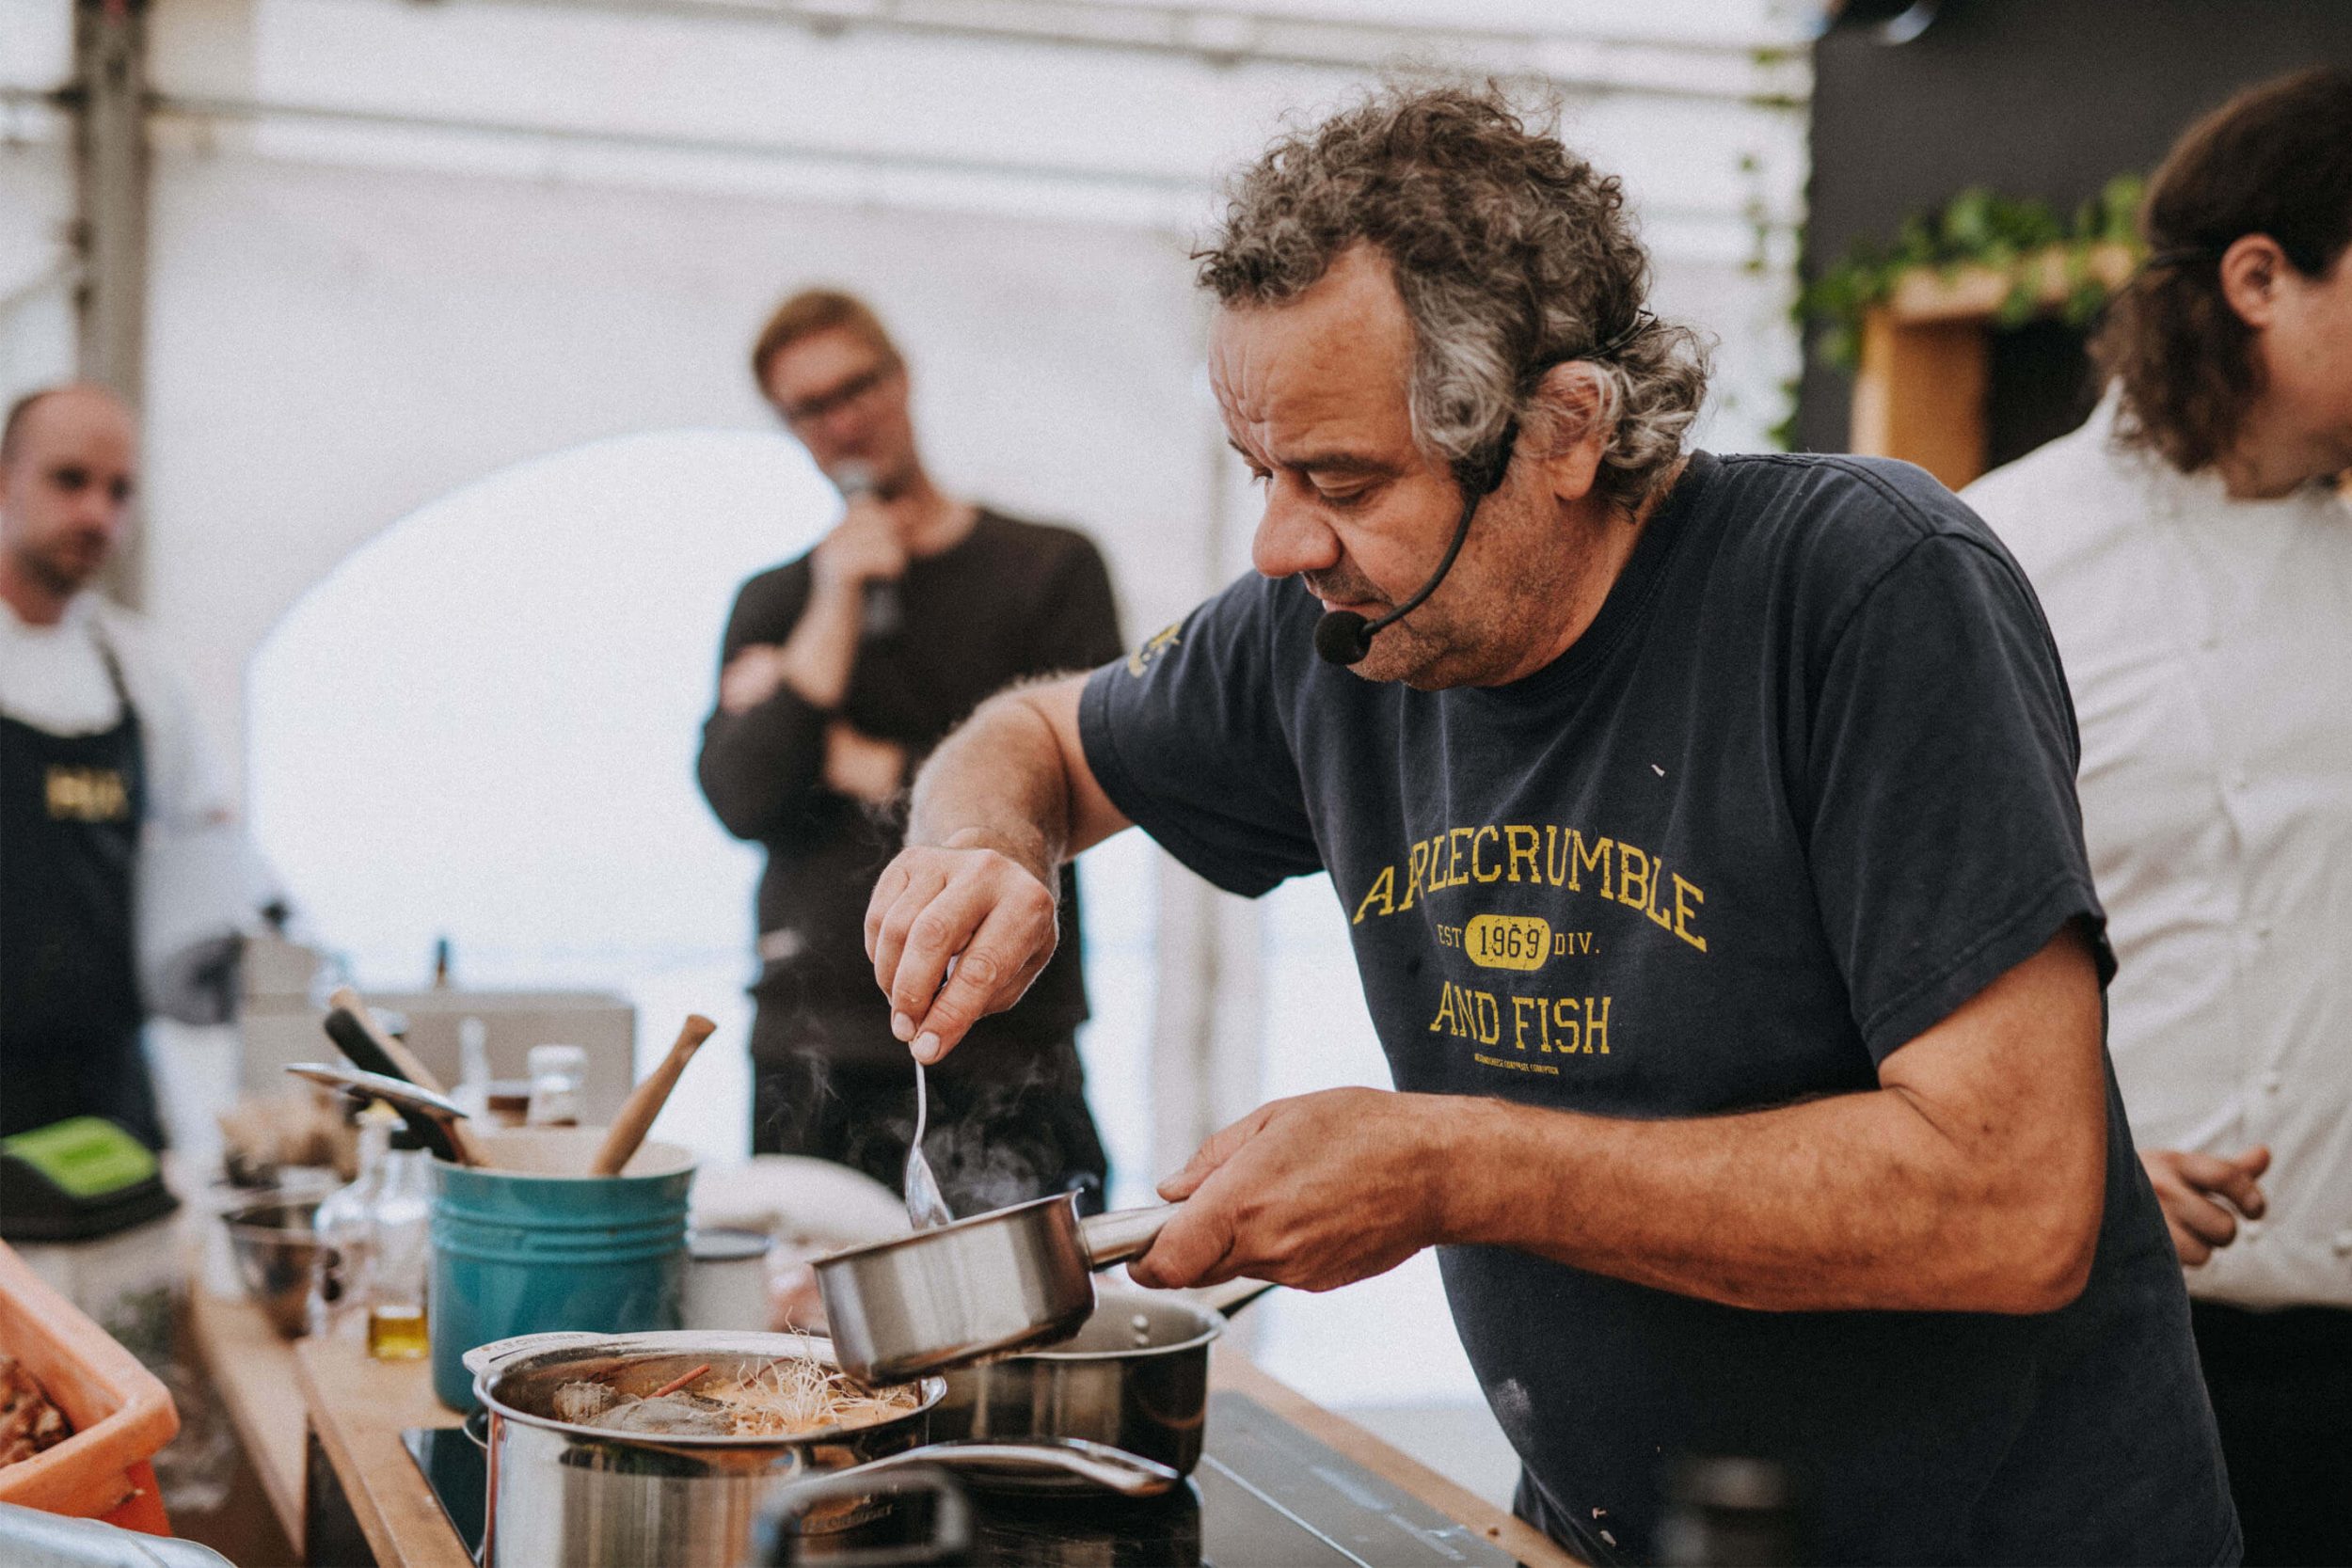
{"x":645,"y":1100}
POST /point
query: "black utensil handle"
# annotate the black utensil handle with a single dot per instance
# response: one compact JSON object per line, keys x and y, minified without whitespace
{"x":355,"y":1043}
{"x":353,"y":1039}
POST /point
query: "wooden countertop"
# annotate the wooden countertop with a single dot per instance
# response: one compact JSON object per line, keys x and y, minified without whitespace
{"x":357,"y":1407}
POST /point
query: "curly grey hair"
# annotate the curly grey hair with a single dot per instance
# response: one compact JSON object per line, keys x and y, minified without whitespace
{"x":1512,"y":255}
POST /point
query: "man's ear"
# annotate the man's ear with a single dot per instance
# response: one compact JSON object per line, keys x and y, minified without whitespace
{"x":2252,"y":270}
{"x":1572,"y":419}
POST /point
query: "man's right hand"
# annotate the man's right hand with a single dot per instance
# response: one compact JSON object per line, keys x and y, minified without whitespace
{"x":863,"y":547}
{"x":956,"y":933}
{"x":2188,"y":1185}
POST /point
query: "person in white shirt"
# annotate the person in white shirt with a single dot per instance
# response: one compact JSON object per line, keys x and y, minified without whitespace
{"x":2192,"y":548}
{"x":100,"y":761}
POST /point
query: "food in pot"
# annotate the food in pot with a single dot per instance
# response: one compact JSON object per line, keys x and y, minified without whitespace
{"x":786,"y":1395}
{"x":28,"y":1422}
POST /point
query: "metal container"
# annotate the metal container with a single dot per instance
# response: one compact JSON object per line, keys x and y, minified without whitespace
{"x":277,"y":1248}
{"x":533,"y":1245}
{"x":993,"y":1284}
{"x":726,"y":1279}
{"x":30,"y":1538}
{"x":1134,"y":1376}
{"x":569,"y":1495}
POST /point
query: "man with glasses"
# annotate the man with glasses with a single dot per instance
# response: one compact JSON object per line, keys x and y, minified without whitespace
{"x":840,"y":671}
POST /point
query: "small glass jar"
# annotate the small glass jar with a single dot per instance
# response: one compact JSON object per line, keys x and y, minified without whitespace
{"x":557,"y":1072}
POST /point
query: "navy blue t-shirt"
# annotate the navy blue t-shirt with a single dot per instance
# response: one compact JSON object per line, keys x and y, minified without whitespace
{"x":1803,"y":788}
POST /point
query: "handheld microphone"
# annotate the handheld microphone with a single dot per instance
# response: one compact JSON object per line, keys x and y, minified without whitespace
{"x":1342,"y":637}
{"x":885,"y":611}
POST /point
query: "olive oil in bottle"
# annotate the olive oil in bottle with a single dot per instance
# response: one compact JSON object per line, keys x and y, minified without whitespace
{"x":396,"y":1332}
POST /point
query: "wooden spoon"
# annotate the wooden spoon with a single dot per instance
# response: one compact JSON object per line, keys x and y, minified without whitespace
{"x":645,"y":1100}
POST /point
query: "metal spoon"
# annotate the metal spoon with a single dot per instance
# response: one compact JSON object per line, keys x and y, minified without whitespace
{"x":926,"y":1206}
{"x":433,"y":1117}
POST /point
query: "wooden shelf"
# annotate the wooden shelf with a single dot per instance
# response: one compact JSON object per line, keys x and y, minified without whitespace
{"x":1928,"y":295}
{"x":1926,"y":356}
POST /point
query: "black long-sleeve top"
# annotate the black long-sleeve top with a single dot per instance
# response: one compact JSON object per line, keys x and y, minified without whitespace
{"x":1011,"y":599}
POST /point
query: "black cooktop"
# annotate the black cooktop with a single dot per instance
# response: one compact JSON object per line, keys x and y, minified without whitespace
{"x":1266,"y":1494}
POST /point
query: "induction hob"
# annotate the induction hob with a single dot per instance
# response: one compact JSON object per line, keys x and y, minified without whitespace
{"x":1265,"y":1495}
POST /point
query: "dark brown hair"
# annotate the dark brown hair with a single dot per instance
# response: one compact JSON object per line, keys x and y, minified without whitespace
{"x":1512,"y":254}
{"x":815,"y":311}
{"x":2275,"y":160}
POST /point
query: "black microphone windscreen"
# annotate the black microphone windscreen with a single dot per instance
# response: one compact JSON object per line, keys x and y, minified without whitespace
{"x":1340,"y":637}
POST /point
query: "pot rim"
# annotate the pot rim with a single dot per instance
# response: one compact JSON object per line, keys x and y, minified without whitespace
{"x":665,"y":1160}
{"x":1212,"y":1325}
{"x":685,"y":1341}
{"x":247,"y":1219}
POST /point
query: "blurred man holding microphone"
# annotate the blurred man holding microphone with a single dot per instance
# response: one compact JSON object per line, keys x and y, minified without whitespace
{"x":840,"y":671}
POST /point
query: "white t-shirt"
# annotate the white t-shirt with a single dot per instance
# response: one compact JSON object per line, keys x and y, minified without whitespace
{"x":2208,"y":645}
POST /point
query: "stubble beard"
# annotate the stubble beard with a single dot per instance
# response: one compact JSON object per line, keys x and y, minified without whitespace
{"x":58,"y":570}
{"x":1476,"y":629}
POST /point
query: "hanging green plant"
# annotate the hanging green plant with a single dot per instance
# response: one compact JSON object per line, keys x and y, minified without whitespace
{"x":1977,"y":228}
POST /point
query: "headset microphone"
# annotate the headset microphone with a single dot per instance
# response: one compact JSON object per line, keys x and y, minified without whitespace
{"x":1343,"y":637}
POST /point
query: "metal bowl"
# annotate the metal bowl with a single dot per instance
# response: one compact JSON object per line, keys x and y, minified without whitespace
{"x":276,"y":1249}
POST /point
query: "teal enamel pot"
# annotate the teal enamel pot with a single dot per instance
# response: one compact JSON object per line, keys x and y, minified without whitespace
{"x":527,"y":1247}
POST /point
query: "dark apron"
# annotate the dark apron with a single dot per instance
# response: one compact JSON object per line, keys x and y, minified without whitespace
{"x":70,"y":1011}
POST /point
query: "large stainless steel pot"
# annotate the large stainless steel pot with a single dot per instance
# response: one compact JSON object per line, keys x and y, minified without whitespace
{"x":567,"y":1495}
{"x":993,"y":1284}
{"x":1134,"y":1376}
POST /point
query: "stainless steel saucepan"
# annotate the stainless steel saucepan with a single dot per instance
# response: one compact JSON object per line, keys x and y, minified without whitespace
{"x":993,"y":1284}
{"x":1134,"y":1376}
{"x":567,"y":1494}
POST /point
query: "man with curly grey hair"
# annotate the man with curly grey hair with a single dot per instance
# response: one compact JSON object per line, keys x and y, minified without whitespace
{"x":1705,"y":829}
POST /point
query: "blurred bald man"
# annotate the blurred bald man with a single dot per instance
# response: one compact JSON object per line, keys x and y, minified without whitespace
{"x":97,"y":751}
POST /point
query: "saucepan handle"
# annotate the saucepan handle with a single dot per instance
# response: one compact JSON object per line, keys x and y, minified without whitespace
{"x":1130,"y":1475}
{"x":1124,"y":1234}
{"x":1228,"y":1298}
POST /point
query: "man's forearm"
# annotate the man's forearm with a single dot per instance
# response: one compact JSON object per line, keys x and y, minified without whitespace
{"x":821,"y":651}
{"x":997,"y":782}
{"x":1856,"y":1201}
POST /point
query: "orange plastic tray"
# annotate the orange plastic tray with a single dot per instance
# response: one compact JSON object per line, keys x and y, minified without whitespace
{"x":121,"y":1413}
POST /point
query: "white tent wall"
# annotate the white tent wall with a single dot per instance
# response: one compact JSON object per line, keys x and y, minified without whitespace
{"x":396,"y":246}
{"x":36,"y":280}
{"x":36,"y":198}
{"x":334,"y":347}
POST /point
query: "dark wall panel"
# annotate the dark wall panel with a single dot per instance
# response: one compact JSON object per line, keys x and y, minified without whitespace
{"x":2033,"y":98}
